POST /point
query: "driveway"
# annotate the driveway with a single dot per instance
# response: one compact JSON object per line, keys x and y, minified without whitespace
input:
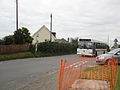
{"x":16,"y":73}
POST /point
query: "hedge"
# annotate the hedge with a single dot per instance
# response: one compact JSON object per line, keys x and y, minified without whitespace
{"x":55,"y":47}
{"x":103,"y":46}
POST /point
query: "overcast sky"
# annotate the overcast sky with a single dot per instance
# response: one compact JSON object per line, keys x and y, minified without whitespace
{"x":95,"y":19}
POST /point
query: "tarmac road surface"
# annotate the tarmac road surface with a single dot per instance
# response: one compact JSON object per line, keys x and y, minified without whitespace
{"x":16,"y":73}
{"x":49,"y":81}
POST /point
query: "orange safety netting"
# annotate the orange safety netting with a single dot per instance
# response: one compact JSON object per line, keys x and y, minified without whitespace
{"x":82,"y":73}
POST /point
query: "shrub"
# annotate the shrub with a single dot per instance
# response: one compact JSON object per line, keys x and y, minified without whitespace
{"x":102,"y":46}
{"x":55,"y":47}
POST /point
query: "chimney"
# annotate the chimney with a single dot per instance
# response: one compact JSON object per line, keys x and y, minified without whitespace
{"x":54,"y":34}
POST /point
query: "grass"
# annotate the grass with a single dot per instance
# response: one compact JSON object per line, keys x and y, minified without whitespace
{"x":29,"y":55}
{"x":39,"y":54}
{"x":97,"y":73}
{"x":16,"y":56}
{"x":44,"y":54}
{"x":118,"y":82}
{"x":101,"y":73}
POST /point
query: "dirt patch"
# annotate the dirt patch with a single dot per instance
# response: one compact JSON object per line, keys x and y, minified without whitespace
{"x":83,"y":84}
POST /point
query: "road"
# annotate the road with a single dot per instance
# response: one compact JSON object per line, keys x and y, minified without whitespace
{"x":16,"y":73}
{"x":50,"y":81}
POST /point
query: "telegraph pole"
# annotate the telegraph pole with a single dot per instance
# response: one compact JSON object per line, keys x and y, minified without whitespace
{"x":16,"y":15}
{"x":108,"y":41}
{"x":51,"y":28}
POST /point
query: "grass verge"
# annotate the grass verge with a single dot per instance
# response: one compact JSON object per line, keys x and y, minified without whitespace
{"x":95,"y":73}
{"x":29,"y":55}
{"x":39,"y":54}
{"x":118,"y":82}
{"x":16,"y":56}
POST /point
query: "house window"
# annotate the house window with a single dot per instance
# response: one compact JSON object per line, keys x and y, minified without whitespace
{"x":46,"y":40}
{"x":37,"y":38}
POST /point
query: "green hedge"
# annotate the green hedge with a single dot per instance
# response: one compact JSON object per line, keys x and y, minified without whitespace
{"x":118,"y":46}
{"x":54,"y":47}
{"x":102,"y":46}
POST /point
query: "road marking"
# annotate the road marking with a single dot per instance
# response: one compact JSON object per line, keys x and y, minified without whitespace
{"x":81,"y":64}
{"x":77,"y":64}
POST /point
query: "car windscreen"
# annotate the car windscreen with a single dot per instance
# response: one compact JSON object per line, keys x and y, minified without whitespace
{"x":113,"y":51}
{"x":85,"y":45}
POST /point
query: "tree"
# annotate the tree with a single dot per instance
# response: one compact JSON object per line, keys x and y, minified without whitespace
{"x":118,"y":46}
{"x":74,"y":41}
{"x":22,"y":36}
{"x":7,"y":40}
{"x":1,"y":42}
{"x":18,"y":36}
{"x":26,"y":34}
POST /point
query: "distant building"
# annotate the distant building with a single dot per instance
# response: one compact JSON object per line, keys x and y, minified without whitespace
{"x":115,"y":44}
{"x":43,"y":35}
{"x":61,"y":40}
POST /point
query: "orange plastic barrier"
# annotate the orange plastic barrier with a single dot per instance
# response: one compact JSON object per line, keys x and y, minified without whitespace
{"x":82,"y":73}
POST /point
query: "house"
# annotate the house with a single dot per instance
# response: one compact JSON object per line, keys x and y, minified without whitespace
{"x":61,"y":40}
{"x":42,"y":35}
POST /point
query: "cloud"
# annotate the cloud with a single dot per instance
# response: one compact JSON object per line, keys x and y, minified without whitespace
{"x":71,"y":18}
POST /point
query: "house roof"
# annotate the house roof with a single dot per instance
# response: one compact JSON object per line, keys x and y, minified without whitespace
{"x":41,"y":29}
{"x":93,"y":40}
{"x":61,"y":40}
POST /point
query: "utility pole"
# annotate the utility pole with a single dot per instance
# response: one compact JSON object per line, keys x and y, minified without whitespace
{"x":51,"y":28}
{"x":16,"y":15}
{"x":108,"y":41}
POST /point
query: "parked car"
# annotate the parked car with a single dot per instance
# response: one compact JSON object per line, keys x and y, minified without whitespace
{"x":103,"y":59}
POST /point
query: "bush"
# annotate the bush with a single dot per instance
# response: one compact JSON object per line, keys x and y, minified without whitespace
{"x":102,"y":46}
{"x":32,"y":48}
{"x":2,"y":42}
{"x":55,"y":48}
{"x":118,"y":46}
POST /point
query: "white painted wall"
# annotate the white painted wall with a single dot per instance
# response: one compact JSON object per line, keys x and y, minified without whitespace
{"x":41,"y":35}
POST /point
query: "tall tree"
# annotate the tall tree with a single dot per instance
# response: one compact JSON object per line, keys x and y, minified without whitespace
{"x":7,"y":40}
{"x":1,"y":42}
{"x":22,"y":36}
{"x":18,"y":36}
{"x":26,"y":34}
{"x":74,"y":40}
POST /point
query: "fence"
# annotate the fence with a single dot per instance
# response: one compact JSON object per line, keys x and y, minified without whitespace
{"x":8,"y":49}
{"x":82,"y":73}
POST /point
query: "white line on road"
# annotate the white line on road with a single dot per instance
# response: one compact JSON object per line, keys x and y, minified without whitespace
{"x":77,"y":64}
{"x":82,"y":63}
